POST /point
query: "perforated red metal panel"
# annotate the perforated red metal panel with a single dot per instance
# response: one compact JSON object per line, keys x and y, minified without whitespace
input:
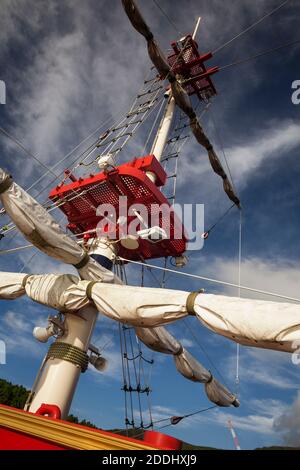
{"x":80,"y":199}
{"x":189,"y":64}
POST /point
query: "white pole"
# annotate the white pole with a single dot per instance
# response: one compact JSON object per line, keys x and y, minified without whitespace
{"x":166,"y":122}
{"x":59,"y":378}
{"x":196,"y":28}
{"x":162,"y":133}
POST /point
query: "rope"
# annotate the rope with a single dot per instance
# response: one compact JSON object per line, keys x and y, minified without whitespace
{"x":218,"y":134}
{"x":167,"y":17}
{"x":102,"y":125}
{"x":25,"y":150}
{"x":69,"y":353}
{"x":138,"y":370}
{"x":124,"y":378}
{"x":136,"y":379}
{"x":13,"y":250}
{"x":205,"y":352}
{"x":64,"y":158}
{"x":237,"y":375}
{"x":153,"y":126}
{"x":267,"y":15}
{"x":215,"y":281}
{"x":207,"y":232}
{"x":176,"y":419}
{"x":259,"y":54}
{"x":82,"y":193}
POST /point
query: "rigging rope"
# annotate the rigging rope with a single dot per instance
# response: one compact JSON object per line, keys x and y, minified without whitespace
{"x":175,"y":420}
{"x":25,"y":150}
{"x":237,"y":375}
{"x":212,"y":363}
{"x":167,"y":16}
{"x":81,"y":194}
{"x":207,"y":232}
{"x":135,"y":363}
{"x":267,"y":15}
{"x":215,"y":281}
{"x":219,"y":137}
{"x":153,"y":126}
{"x":259,"y":54}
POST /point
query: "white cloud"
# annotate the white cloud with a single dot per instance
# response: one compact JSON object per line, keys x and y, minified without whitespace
{"x":261,"y":420}
{"x":273,"y":141}
{"x":15,"y":321}
{"x":288,"y":423}
{"x":279,"y":276}
{"x":187,"y":343}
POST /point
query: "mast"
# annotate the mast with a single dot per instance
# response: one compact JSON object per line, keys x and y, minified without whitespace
{"x":163,"y":132}
{"x":59,"y":378}
{"x":67,"y":357}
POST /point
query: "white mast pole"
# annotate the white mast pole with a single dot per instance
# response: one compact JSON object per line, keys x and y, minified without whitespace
{"x":196,"y":28}
{"x":163,"y":132}
{"x":162,"y":135}
{"x":58,"y":378}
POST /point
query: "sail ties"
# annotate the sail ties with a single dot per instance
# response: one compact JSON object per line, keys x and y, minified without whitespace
{"x":89,"y":288}
{"x":6,"y":184}
{"x":190,"y":302}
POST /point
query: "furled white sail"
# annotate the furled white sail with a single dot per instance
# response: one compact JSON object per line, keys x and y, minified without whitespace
{"x":256,"y":323}
{"x":159,"y":339}
{"x":40,"y":229}
{"x":11,"y":285}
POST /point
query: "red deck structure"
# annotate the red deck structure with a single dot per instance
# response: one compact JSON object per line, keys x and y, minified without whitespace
{"x":187,"y":62}
{"x":80,"y":199}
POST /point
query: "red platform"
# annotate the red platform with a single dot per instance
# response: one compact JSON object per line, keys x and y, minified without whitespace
{"x":80,"y":199}
{"x":187,"y":62}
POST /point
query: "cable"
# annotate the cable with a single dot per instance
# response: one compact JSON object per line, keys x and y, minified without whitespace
{"x":13,"y":250}
{"x":153,"y":126}
{"x":218,"y":134}
{"x":205,"y":352}
{"x":237,"y":375}
{"x":267,"y":15}
{"x":215,"y":281}
{"x":176,"y":419}
{"x":25,"y":150}
{"x":69,"y":154}
{"x":259,"y":54}
{"x":207,"y":232}
{"x":168,"y":18}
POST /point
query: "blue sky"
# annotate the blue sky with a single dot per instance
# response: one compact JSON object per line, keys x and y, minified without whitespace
{"x":68,"y":65}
